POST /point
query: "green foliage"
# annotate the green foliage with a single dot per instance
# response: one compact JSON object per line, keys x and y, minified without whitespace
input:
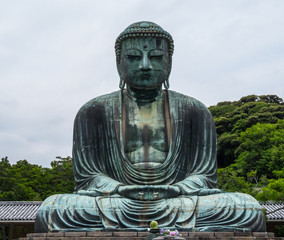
{"x":19,"y":181}
{"x":233,"y":118}
{"x":30,"y":182}
{"x":273,"y":191}
{"x":270,"y":99}
{"x":227,"y":144}
{"x":60,"y":176}
{"x":229,"y":181}
{"x":261,"y":149}
{"x":279,"y":230}
{"x":251,"y":146}
{"x":222,"y":108}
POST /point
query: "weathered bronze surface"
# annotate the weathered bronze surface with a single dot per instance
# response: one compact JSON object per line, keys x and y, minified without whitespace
{"x":146,"y":153}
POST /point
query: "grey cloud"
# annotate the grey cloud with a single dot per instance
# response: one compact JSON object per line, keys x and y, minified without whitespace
{"x":56,"y":55}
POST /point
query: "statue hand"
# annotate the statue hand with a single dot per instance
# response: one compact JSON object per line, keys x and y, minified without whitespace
{"x":204,"y":192}
{"x":149,"y":192}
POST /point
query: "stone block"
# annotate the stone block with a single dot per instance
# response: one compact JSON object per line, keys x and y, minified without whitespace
{"x":130,"y":235}
{"x":121,"y":238}
{"x":99,"y":234}
{"x":88,"y":238}
{"x":125,"y":234}
{"x":68,"y":238}
{"x":224,"y":234}
{"x":75,"y":234}
{"x":270,"y":234}
{"x":36,"y":235}
{"x":43,"y":238}
{"x":260,"y":234}
{"x":52,"y":238}
{"x":142,"y":234}
{"x":201,"y":234}
{"x":55,"y":234}
{"x":244,"y":238}
{"x":98,"y":238}
{"x":243,"y":234}
{"x":38,"y":238}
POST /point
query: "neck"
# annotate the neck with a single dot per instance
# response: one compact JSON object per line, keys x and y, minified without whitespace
{"x":143,"y":95}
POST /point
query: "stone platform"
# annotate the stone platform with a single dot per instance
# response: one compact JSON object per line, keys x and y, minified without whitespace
{"x":123,"y":235}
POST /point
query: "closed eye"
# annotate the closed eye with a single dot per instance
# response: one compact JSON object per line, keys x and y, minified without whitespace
{"x":156,"y":54}
{"x":133,"y":57}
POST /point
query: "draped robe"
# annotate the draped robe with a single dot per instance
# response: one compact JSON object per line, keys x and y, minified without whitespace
{"x":100,"y":166}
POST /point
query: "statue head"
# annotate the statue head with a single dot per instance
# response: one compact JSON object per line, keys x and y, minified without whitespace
{"x":144,"y":56}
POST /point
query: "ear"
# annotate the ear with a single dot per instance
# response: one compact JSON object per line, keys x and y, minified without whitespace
{"x":118,"y":67}
{"x":121,"y":82}
{"x":166,"y":82}
{"x":170,"y":67}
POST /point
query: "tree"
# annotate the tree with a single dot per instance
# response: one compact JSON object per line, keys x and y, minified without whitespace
{"x":233,"y":118}
{"x":60,"y":177}
{"x":229,"y":181}
{"x":273,"y":192}
{"x":261,"y":149}
{"x":30,"y":182}
{"x":227,"y":144}
{"x":19,"y":181}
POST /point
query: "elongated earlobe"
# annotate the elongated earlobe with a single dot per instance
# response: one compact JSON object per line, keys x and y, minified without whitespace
{"x":121,"y":84}
{"x":166,"y":84}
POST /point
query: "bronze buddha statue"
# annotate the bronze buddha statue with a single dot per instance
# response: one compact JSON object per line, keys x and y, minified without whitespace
{"x":146,"y":153}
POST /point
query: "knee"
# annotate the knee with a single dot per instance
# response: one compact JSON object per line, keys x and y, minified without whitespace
{"x":42,"y":216}
{"x":245,"y":199}
{"x":239,"y":200}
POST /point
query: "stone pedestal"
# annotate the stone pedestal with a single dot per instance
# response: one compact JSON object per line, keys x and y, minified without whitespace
{"x":126,"y":235}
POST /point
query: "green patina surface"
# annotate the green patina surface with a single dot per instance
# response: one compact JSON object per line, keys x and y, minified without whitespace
{"x":146,"y":153}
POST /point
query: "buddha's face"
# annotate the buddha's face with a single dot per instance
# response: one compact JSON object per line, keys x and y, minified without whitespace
{"x":144,"y":62}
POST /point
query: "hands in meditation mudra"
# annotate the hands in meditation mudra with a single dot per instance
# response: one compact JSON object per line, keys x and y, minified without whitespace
{"x":146,"y":153}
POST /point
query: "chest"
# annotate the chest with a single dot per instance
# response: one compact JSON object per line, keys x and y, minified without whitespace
{"x":145,"y":131}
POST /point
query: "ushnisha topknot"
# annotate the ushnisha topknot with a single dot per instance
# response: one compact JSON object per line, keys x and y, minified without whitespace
{"x":143,"y":29}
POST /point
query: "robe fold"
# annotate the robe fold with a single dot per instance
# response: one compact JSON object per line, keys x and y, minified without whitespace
{"x":100,"y":166}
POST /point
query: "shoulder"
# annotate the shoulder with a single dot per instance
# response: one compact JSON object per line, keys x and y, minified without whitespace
{"x":185,"y":100}
{"x":188,"y":107}
{"x":99,"y":103}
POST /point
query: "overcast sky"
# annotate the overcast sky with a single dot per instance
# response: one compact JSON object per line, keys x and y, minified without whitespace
{"x":56,"y":55}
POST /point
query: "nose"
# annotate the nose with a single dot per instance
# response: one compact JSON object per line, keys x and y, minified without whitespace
{"x":145,"y":63}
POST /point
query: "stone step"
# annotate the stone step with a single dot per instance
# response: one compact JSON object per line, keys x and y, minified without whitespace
{"x":126,"y":235}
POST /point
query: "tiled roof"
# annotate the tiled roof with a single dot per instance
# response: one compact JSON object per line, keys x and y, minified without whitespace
{"x":26,"y":211}
{"x":274,"y":211}
{"x":18,"y":210}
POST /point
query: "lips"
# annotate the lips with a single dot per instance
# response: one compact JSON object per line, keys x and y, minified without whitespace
{"x":144,"y":76}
